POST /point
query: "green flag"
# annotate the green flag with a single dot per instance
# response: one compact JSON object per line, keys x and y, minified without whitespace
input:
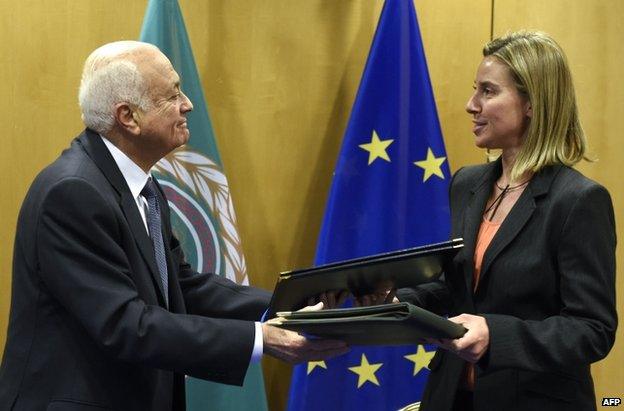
{"x":197,"y":189}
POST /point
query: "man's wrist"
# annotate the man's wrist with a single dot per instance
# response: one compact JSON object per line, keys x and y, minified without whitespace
{"x":256,"y":354}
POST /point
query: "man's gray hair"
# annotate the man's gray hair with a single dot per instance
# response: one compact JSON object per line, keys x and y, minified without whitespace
{"x":110,"y":77}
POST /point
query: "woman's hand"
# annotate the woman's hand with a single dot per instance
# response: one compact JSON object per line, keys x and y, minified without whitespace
{"x":474,"y":344}
{"x":384,"y":293}
{"x":330,"y":299}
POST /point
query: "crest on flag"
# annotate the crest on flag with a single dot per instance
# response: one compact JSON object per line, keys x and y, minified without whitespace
{"x":202,"y":214}
{"x":199,"y":179}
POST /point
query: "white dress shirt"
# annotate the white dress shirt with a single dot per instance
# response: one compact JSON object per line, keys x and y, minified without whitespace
{"x":136,"y":179}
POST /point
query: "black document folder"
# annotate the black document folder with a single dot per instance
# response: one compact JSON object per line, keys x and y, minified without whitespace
{"x":404,"y":268}
{"x":389,"y":324}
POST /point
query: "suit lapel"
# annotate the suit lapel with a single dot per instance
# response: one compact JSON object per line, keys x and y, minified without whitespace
{"x":518,"y":217}
{"x":480,"y":193}
{"x":97,"y":151}
{"x":509,"y":229}
{"x":142,"y":239}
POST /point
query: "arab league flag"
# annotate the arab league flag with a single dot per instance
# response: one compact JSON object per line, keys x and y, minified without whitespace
{"x":389,"y":192}
{"x":202,"y":212}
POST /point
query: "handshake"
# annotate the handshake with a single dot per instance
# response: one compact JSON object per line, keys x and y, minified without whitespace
{"x":294,"y":348}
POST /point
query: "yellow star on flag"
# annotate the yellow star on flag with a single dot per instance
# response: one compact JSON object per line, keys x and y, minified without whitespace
{"x":431,"y":165}
{"x":376,"y":148}
{"x":313,"y":364}
{"x":366,"y":371}
{"x":420,"y":359}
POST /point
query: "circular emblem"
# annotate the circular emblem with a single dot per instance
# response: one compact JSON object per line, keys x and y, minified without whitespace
{"x":202,"y":213}
{"x":194,"y":229}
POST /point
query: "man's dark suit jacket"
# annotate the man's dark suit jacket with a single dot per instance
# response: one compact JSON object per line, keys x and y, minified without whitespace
{"x":547,"y":292}
{"x":88,"y":326}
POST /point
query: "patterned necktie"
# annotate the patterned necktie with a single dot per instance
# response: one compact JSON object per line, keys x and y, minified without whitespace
{"x":155,"y":231}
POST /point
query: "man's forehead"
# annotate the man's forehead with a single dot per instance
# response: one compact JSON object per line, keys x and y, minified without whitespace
{"x":160,"y":75}
{"x":160,"y":67}
{"x":149,"y":57}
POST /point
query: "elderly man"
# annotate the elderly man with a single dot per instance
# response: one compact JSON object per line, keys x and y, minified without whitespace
{"x":105,"y":313}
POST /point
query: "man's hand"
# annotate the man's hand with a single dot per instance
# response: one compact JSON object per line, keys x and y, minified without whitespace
{"x":474,"y":343}
{"x":294,"y":348}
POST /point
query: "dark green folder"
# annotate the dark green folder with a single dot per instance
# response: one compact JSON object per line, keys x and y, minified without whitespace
{"x":389,"y":324}
{"x":404,"y":268}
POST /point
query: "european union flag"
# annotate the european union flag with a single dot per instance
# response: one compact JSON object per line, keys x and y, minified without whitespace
{"x":389,"y":192}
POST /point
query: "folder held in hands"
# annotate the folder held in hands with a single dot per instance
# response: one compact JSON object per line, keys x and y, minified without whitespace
{"x":388,"y":324}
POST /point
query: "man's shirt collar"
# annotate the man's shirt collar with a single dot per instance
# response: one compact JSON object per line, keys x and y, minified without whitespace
{"x":133,"y":174}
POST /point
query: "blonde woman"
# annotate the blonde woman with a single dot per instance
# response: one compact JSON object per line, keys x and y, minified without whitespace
{"x":535,"y":282}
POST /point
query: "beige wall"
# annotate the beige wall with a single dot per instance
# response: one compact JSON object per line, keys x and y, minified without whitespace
{"x":280,"y":77}
{"x":587,"y":30}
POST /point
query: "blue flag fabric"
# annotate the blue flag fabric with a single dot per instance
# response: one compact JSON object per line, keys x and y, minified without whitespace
{"x":389,"y":192}
{"x":197,"y":190}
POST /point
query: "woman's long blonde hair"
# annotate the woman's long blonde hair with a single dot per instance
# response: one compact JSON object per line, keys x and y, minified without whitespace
{"x":541,"y":73}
